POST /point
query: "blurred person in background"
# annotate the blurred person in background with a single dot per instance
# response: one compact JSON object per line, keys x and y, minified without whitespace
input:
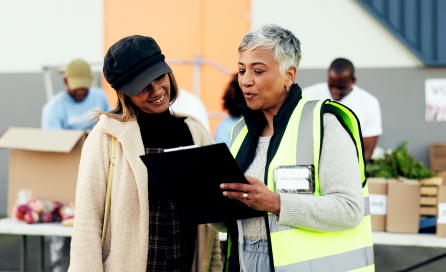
{"x":312,"y":188}
{"x":73,"y":108}
{"x":234,"y":101}
{"x":189,"y":103}
{"x":341,"y":88}
{"x":145,"y":230}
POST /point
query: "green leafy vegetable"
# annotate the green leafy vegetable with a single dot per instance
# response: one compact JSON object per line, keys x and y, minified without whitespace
{"x":398,"y":163}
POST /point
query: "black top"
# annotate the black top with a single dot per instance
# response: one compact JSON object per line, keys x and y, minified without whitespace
{"x":163,"y":130}
{"x":158,"y":132}
{"x":171,"y":239}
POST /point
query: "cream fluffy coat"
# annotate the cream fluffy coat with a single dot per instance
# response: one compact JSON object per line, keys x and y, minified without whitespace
{"x":126,"y":243}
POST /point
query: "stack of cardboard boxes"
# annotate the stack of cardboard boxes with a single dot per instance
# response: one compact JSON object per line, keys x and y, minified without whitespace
{"x":441,"y":218}
{"x":396,"y":204}
{"x":437,"y":157}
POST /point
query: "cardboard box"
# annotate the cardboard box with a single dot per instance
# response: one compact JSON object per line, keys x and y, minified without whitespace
{"x":403,"y":205}
{"x":429,"y":195}
{"x":428,"y":200}
{"x":428,"y":210}
{"x":378,"y":202}
{"x":428,"y":190}
{"x":441,"y":219}
{"x":437,"y":156}
{"x":434,"y":181}
{"x":45,"y":162}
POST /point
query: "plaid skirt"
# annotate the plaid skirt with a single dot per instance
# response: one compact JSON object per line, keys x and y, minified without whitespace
{"x":171,"y":239}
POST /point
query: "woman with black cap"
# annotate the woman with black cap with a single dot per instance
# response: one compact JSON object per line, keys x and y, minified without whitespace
{"x":144,"y":230}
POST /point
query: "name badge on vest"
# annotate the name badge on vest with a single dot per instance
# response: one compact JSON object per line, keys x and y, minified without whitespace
{"x":294,"y":179}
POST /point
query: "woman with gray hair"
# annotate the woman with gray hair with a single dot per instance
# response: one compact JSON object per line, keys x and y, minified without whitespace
{"x":304,"y":163}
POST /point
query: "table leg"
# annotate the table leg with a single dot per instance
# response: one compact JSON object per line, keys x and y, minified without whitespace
{"x":23,"y":254}
{"x":41,"y":254}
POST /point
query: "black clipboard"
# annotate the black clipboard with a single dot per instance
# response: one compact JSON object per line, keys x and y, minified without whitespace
{"x":191,"y":179}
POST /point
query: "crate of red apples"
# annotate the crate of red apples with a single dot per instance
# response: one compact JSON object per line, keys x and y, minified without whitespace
{"x":33,"y":211}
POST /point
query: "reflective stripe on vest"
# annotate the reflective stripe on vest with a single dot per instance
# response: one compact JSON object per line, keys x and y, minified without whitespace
{"x":237,"y":129}
{"x":296,"y":249}
{"x":350,"y":120}
{"x":239,"y":133}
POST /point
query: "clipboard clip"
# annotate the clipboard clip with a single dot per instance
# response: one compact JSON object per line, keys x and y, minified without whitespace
{"x":180,"y":148}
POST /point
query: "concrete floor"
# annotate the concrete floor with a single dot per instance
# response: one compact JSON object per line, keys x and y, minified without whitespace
{"x":387,"y":258}
{"x":396,"y":258}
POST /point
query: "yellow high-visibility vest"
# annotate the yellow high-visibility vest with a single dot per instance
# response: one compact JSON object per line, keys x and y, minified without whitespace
{"x":295,"y":249}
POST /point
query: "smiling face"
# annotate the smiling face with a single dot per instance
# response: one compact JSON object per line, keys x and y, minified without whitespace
{"x":340,"y":84}
{"x":259,"y":78}
{"x":155,"y":97}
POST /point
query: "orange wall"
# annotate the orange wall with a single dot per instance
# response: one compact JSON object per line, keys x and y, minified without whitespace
{"x":183,"y":28}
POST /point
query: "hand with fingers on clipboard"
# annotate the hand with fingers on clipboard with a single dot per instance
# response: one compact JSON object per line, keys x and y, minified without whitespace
{"x":255,"y":195}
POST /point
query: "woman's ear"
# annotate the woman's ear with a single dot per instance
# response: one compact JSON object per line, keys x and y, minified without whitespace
{"x":290,"y":76}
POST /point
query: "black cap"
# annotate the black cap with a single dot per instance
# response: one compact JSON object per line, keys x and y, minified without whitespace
{"x":132,"y":63}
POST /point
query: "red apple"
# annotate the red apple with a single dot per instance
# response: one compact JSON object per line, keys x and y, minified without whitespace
{"x":19,"y":211}
{"x":23,"y":208}
{"x":57,"y":205}
{"x":57,"y":208}
{"x":46,"y":217}
{"x":16,"y":213}
{"x":31,"y":217}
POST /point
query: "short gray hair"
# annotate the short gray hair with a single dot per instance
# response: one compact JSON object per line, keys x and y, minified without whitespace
{"x":286,"y":47}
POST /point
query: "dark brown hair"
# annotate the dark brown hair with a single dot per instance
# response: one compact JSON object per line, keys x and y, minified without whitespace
{"x":233,"y":98}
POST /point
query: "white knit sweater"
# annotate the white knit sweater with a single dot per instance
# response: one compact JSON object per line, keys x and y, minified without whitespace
{"x":126,"y":242}
{"x":254,"y":228}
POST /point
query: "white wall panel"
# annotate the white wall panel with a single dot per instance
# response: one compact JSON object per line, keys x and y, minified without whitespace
{"x":42,"y":32}
{"x":329,"y":29}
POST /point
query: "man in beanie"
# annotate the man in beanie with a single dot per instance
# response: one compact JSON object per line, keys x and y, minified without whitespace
{"x":72,"y":109}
